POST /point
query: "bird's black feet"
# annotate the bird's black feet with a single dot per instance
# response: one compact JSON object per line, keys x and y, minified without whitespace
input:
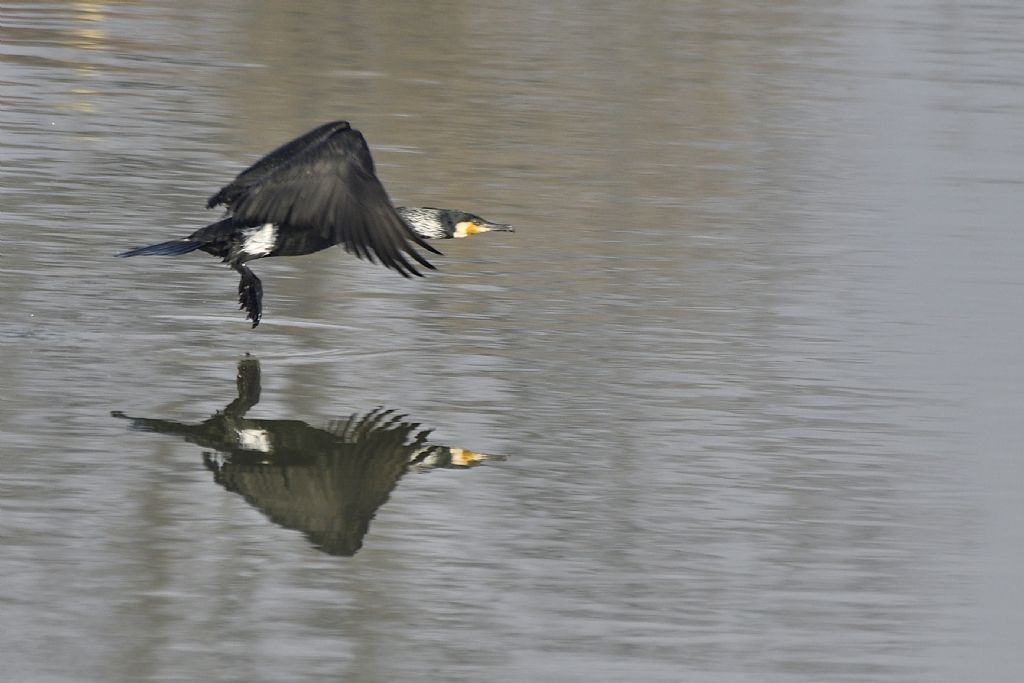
{"x":250,"y":295}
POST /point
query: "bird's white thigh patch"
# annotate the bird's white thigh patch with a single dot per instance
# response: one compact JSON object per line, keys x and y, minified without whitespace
{"x":259,"y":241}
{"x":254,"y":440}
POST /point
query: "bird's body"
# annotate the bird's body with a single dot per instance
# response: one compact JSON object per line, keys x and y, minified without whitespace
{"x":312,"y":193}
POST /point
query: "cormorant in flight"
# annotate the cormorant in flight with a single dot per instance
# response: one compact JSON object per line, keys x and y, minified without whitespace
{"x":316,"y":191}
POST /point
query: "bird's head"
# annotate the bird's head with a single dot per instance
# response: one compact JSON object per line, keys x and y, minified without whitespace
{"x":465,"y":224}
{"x":431,"y":223}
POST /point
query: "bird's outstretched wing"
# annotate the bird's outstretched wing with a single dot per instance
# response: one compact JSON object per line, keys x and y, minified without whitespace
{"x":252,"y":176}
{"x":324,"y":183}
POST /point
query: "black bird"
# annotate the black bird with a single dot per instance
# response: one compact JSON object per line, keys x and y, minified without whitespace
{"x":309,"y":194}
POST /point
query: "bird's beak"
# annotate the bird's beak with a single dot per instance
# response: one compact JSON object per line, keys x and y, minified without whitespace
{"x":499,"y":227}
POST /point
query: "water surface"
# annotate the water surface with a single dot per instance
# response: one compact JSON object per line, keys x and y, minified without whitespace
{"x":743,"y":388}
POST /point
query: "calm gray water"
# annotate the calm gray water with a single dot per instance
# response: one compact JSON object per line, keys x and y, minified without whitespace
{"x":739,"y":401}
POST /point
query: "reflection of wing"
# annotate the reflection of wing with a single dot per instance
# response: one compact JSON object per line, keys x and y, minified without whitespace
{"x":332,"y":494}
{"x":327,"y":483}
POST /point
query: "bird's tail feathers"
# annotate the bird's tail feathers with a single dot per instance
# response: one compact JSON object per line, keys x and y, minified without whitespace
{"x":172,"y":248}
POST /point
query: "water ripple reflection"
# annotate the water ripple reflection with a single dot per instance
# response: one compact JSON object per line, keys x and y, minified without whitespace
{"x":327,"y":483}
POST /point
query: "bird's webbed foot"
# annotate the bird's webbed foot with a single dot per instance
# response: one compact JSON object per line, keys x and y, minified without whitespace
{"x":250,"y":295}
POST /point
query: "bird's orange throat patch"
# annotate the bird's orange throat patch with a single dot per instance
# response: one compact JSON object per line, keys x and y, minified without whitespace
{"x":467,"y":228}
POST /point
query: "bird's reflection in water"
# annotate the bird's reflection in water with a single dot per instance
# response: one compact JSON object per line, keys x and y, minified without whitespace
{"x":327,"y":483}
